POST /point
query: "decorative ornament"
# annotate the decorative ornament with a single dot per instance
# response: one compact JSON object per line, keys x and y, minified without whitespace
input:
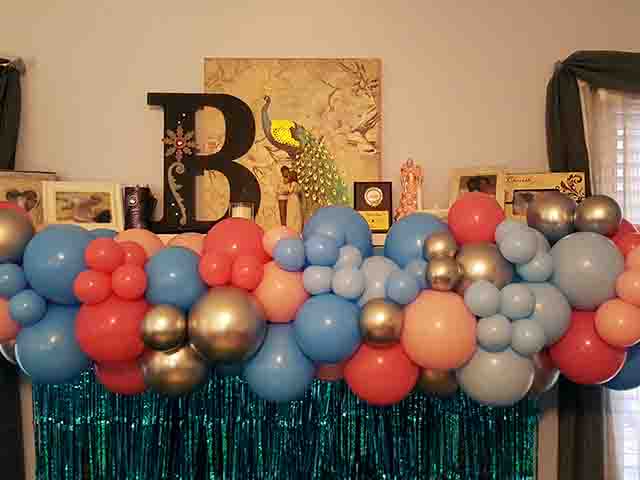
{"x":411,"y":178}
{"x":180,"y":143}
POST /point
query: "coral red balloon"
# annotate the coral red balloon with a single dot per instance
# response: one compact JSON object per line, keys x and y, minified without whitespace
{"x":625,"y":227}
{"x":215,"y":269}
{"x":92,"y":287}
{"x":628,"y":287}
{"x":582,"y":356}
{"x":618,"y":323}
{"x":9,"y":328}
{"x":104,"y":255}
{"x":381,"y":376}
{"x":235,"y":237}
{"x":129,"y":282}
{"x":110,"y":331}
{"x":134,"y":254}
{"x":124,"y":378}
{"x":627,"y":242}
{"x":474,"y":217}
{"x":246,"y":273}
{"x":16,"y":207}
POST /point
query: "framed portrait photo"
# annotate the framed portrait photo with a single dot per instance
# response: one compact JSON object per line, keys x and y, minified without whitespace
{"x":87,"y":204}
{"x":485,"y":180}
{"x":25,"y":190}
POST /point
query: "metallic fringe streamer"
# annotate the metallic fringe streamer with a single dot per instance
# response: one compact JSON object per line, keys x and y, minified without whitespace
{"x":223,"y":431}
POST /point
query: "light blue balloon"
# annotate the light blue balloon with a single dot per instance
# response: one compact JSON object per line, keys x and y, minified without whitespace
{"x":279,"y":371}
{"x":327,"y":328}
{"x":49,"y":351}
{"x":543,"y":243}
{"x":629,"y":377}
{"x":343,"y":224}
{"x":494,"y":333}
{"x":12,"y":279}
{"x":103,"y":233}
{"x":519,"y":245}
{"x":539,"y":269}
{"x":418,"y":269}
{"x":173,"y":278}
{"x":349,"y":256}
{"x":317,"y":280}
{"x":528,"y":337}
{"x":482,"y":298}
{"x":53,"y":259}
{"x":505,"y":227}
{"x":402,"y":287}
{"x":348,"y":283}
{"x":27,"y":308}
{"x":517,"y":301}
{"x":585,"y":267}
{"x":405,"y":240}
{"x":289,"y":254}
{"x":321,"y":250}
{"x":376,"y":271}
{"x":552,"y":310}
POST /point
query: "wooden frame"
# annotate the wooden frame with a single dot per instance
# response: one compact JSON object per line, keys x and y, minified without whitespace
{"x":93,"y":201}
{"x":460,"y":177}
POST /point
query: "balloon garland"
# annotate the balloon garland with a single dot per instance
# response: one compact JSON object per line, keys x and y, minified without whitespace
{"x":488,"y":305}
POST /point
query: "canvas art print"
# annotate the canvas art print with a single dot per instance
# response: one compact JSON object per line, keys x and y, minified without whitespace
{"x":318,"y":129}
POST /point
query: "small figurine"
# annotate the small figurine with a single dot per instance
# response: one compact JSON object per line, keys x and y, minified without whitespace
{"x":411,"y":178}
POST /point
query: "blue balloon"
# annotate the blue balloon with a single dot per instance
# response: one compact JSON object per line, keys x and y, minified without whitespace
{"x":348,"y":283}
{"x":552,"y":310}
{"x":103,"y":233}
{"x":402,"y":287}
{"x":482,"y":298}
{"x":349,"y":256}
{"x":519,"y":245}
{"x":507,"y":226}
{"x":405,"y":240}
{"x":53,"y":259}
{"x":494,"y":333}
{"x":327,"y":328}
{"x":173,"y":278}
{"x":376,"y":271}
{"x":343,"y":224}
{"x":517,"y":301}
{"x":279,"y":371}
{"x":418,"y":269}
{"x":528,"y":337}
{"x":12,"y":279}
{"x":317,"y":280}
{"x":543,"y":243}
{"x":27,"y":308}
{"x":289,"y":254}
{"x":629,"y":377}
{"x":539,"y":269}
{"x":49,"y":351}
{"x":321,"y":250}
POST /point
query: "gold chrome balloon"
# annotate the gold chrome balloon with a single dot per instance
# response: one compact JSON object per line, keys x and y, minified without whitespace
{"x":164,"y":327}
{"x":443,"y":274}
{"x":439,"y":383}
{"x":545,"y":374}
{"x":16,"y":230}
{"x":173,"y":373}
{"x":483,"y":261}
{"x":439,"y":245}
{"x":381,"y":323}
{"x":8,"y":351}
{"x":226,"y":325}
{"x":552,"y":214}
{"x":598,"y":214}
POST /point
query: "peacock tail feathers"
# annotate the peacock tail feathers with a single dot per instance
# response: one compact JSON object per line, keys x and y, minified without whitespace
{"x":282,"y":131}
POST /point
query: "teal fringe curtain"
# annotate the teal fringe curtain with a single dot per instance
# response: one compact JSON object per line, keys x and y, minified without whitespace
{"x":223,"y":431}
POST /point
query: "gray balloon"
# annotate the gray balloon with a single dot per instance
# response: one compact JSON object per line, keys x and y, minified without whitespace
{"x":585,"y":267}
{"x":552,"y":310}
{"x":497,"y":379}
{"x":552,"y":214}
{"x":598,"y":214}
{"x":494,"y":333}
{"x":546,"y":375}
{"x":528,"y":337}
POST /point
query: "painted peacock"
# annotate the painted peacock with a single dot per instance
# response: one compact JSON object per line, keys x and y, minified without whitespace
{"x":313,"y":164}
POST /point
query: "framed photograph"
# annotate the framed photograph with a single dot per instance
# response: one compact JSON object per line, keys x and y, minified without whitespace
{"x":486,"y":180}
{"x":25,"y":189}
{"x":87,"y":204}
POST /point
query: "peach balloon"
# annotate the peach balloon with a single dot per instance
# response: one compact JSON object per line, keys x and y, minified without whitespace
{"x":439,"y":331}
{"x":146,"y":239}
{"x":632,"y":261}
{"x":628,"y":287}
{"x":281,"y":293}
{"x":192,"y":241}
{"x":618,"y":323}
{"x":273,"y":236}
{"x":8,"y":327}
{"x":330,"y":372}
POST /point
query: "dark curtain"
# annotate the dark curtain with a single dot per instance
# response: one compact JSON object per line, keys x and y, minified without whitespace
{"x":11,"y":451}
{"x":9,"y":113}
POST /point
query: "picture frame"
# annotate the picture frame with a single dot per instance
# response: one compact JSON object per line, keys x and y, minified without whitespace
{"x":90,"y":205}
{"x":25,"y":189}
{"x":488,"y":179}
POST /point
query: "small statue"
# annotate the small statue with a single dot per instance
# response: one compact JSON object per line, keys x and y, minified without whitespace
{"x":411,"y":178}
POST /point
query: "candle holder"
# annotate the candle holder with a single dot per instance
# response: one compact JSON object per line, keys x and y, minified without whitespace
{"x":242,"y":210}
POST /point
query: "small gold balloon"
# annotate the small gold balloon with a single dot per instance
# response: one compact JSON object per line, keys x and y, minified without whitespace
{"x":545,"y":374}
{"x":164,"y":327}
{"x":8,"y":351}
{"x":598,"y":214}
{"x":483,"y":261}
{"x":443,"y":274}
{"x":16,"y":230}
{"x":439,"y":383}
{"x":552,"y":214}
{"x":381,"y":323}
{"x":440,"y":244}
{"x":227,"y":325}
{"x":173,"y":373}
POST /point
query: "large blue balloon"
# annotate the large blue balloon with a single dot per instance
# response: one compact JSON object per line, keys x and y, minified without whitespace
{"x":629,"y":376}
{"x":321,"y":250}
{"x":279,"y":371}
{"x":48,"y":351}
{"x":418,"y":269}
{"x":552,"y":310}
{"x":53,"y":259}
{"x":173,"y":278}
{"x":405,"y":240}
{"x":344,"y":224}
{"x":12,"y":280}
{"x":327,"y":328}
